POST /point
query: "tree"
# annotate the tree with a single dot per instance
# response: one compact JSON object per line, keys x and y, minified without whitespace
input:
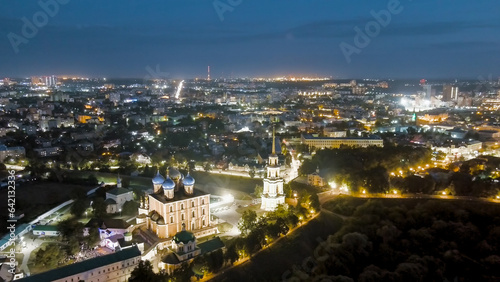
{"x":143,"y":272}
{"x":93,"y":238}
{"x":247,"y":222}
{"x":70,"y":228}
{"x":125,"y":182}
{"x":73,"y":246}
{"x":251,"y":172}
{"x":258,"y":190}
{"x":92,"y":180}
{"x":215,"y":260}
{"x":207,"y":167}
{"x":181,"y":274}
{"x":99,"y":207}
{"x":78,"y":207}
{"x":231,"y":254}
{"x":138,"y":193}
{"x":49,"y":256}
{"x":130,"y":208}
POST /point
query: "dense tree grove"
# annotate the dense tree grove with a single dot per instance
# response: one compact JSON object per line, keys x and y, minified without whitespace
{"x":257,"y":232}
{"x":380,"y":170}
{"x":366,"y":167}
{"x":395,"y":240}
{"x":49,"y":256}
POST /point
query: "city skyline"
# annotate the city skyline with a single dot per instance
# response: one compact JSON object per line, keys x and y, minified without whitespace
{"x":428,"y":39}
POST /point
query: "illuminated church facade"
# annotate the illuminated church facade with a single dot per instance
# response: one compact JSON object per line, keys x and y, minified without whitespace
{"x":175,"y":203}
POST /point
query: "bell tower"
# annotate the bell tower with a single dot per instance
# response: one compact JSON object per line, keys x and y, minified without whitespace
{"x":272,"y":194}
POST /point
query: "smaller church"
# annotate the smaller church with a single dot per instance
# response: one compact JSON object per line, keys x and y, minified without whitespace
{"x":117,"y":197}
{"x":184,"y":248}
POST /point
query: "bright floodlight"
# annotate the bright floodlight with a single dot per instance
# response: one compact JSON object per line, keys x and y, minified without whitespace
{"x":228,"y":198}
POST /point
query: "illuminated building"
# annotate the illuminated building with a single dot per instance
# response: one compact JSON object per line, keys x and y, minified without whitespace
{"x":450,"y":93}
{"x":330,"y":142}
{"x":272,"y":194}
{"x":174,"y":203}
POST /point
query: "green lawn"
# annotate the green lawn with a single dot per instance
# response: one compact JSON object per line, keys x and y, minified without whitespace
{"x":224,"y":227}
{"x":214,"y":181}
{"x":218,"y":184}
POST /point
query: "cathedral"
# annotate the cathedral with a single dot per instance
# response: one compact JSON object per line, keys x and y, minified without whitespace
{"x":272,"y":194}
{"x":175,"y":203}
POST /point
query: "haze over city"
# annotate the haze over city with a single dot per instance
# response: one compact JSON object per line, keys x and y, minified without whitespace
{"x":431,"y":39}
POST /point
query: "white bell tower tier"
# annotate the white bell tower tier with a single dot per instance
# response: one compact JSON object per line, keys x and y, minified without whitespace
{"x":272,"y":194}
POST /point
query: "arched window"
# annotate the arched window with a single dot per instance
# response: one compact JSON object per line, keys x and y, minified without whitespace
{"x":182,"y":206}
{"x":202,"y":201}
{"x":193,"y":213}
{"x":182,"y":216}
{"x":192,"y":204}
{"x":171,"y":219}
{"x":171,"y":209}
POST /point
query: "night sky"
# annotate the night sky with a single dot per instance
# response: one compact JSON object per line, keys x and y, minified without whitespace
{"x":120,"y":38}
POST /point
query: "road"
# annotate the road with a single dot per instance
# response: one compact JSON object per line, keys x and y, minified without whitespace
{"x":31,"y":245}
{"x":326,"y":196}
{"x":293,"y":172}
{"x":227,"y":172}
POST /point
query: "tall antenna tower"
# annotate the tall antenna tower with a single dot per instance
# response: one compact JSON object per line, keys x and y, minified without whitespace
{"x":208,"y":78}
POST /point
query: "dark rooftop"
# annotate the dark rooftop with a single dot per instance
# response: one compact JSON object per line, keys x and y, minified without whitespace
{"x":171,"y":258}
{"x":84,"y":266}
{"x":373,"y":137}
{"x":179,"y":195}
{"x":108,"y":223}
{"x":211,"y":245}
{"x":118,"y":191}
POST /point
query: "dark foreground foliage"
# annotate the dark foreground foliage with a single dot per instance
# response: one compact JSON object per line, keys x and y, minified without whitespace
{"x":397,"y":240}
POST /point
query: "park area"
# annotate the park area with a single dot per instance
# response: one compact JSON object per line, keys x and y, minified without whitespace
{"x":274,"y":261}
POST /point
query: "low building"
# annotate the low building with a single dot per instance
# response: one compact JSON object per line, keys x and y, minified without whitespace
{"x":48,"y":152}
{"x":316,"y":179}
{"x":117,"y":197}
{"x":184,"y":249}
{"x":107,"y":227}
{"x":113,"y":267}
{"x":46,"y":230}
{"x":15,"y":152}
{"x":331,"y":142}
{"x":7,"y":273}
{"x":334,"y":132}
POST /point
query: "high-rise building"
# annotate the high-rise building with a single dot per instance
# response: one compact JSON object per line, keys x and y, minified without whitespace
{"x":428,"y":91}
{"x":50,"y":80}
{"x":450,"y":93}
{"x":272,"y":194}
{"x":35,"y":80}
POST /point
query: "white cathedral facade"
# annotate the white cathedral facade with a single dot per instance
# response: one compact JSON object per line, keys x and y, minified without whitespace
{"x":272,"y":194}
